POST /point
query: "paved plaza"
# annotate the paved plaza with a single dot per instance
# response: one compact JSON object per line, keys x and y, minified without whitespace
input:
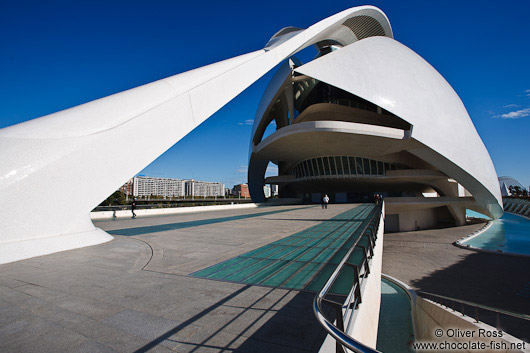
{"x":134,"y":294}
{"x":428,"y":261}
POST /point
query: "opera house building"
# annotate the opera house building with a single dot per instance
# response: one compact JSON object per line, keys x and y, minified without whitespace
{"x":368,"y":115}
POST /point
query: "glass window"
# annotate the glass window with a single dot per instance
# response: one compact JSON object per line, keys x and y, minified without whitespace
{"x":380,"y":168}
{"x":326,"y":165}
{"x":373,"y":165}
{"x":321,"y":168}
{"x":351,"y":162}
{"x":332,"y":166}
{"x":339,"y":166}
{"x":387,"y":167}
{"x":314,"y":161}
{"x":366,"y":166}
{"x":311,"y":169}
{"x":359,"y":166}
{"x":346,"y":165}
{"x":306,"y":167}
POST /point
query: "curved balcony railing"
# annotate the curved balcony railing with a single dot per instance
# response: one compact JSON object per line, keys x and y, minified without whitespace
{"x":360,"y":268}
{"x":352,"y":104}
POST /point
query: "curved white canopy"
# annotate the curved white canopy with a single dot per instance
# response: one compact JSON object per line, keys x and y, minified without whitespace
{"x":55,"y":169}
{"x":392,"y":76}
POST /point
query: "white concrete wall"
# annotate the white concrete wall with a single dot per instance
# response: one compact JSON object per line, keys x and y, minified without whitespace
{"x":169,"y":210}
{"x":367,"y":315}
{"x":422,"y":218}
{"x":430,"y":316}
{"x":191,"y":209}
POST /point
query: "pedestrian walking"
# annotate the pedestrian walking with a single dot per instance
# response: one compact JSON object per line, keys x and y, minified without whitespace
{"x":133,"y":207}
{"x":325,"y":201}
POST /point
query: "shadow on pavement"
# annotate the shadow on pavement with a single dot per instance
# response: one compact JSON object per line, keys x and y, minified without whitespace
{"x":290,"y":327}
{"x":493,"y":280}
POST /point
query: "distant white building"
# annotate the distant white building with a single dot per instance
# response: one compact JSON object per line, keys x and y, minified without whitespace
{"x":267,"y":191}
{"x":203,"y":188}
{"x":146,"y":186}
{"x":274,"y":190}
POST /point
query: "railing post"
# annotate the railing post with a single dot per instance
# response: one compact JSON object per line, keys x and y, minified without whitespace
{"x":357,"y":284}
{"x":498,"y":324}
{"x":340,"y":326}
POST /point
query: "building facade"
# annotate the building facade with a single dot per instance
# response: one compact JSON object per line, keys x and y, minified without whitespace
{"x":241,"y":190}
{"x":142,"y":186}
{"x":149,"y":186}
{"x":267,"y":191}
{"x":127,"y":188}
{"x":197,"y":188}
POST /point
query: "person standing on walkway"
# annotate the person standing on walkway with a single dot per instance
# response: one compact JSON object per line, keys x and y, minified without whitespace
{"x":325,"y":201}
{"x":133,"y":207}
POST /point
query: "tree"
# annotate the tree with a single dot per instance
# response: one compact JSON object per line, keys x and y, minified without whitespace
{"x":117,"y":198}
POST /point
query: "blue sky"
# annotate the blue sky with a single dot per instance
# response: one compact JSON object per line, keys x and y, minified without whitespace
{"x":55,"y":55}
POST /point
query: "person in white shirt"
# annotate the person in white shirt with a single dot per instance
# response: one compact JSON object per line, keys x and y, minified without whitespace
{"x":325,"y":201}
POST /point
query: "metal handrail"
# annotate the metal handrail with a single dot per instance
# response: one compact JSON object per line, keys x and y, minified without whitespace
{"x":476,"y":305}
{"x":342,"y":337}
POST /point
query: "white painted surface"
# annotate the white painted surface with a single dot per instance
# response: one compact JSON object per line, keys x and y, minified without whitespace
{"x":46,"y":162}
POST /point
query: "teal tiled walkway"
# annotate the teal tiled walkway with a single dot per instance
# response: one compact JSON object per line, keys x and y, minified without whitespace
{"x":304,"y":260}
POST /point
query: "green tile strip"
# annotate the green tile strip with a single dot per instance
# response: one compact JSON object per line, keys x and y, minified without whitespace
{"x":304,"y":260}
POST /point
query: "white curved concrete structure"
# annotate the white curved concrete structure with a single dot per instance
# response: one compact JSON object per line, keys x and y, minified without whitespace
{"x":378,"y":102}
{"x":403,"y":83}
{"x":44,"y":161}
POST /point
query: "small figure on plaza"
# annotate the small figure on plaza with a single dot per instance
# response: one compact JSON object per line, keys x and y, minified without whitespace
{"x":325,"y":201}
{"x":133,"y":207}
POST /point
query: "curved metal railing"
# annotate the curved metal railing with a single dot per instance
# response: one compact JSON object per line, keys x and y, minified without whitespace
{"x":443,"y":300}
{"x":338,"y":331}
